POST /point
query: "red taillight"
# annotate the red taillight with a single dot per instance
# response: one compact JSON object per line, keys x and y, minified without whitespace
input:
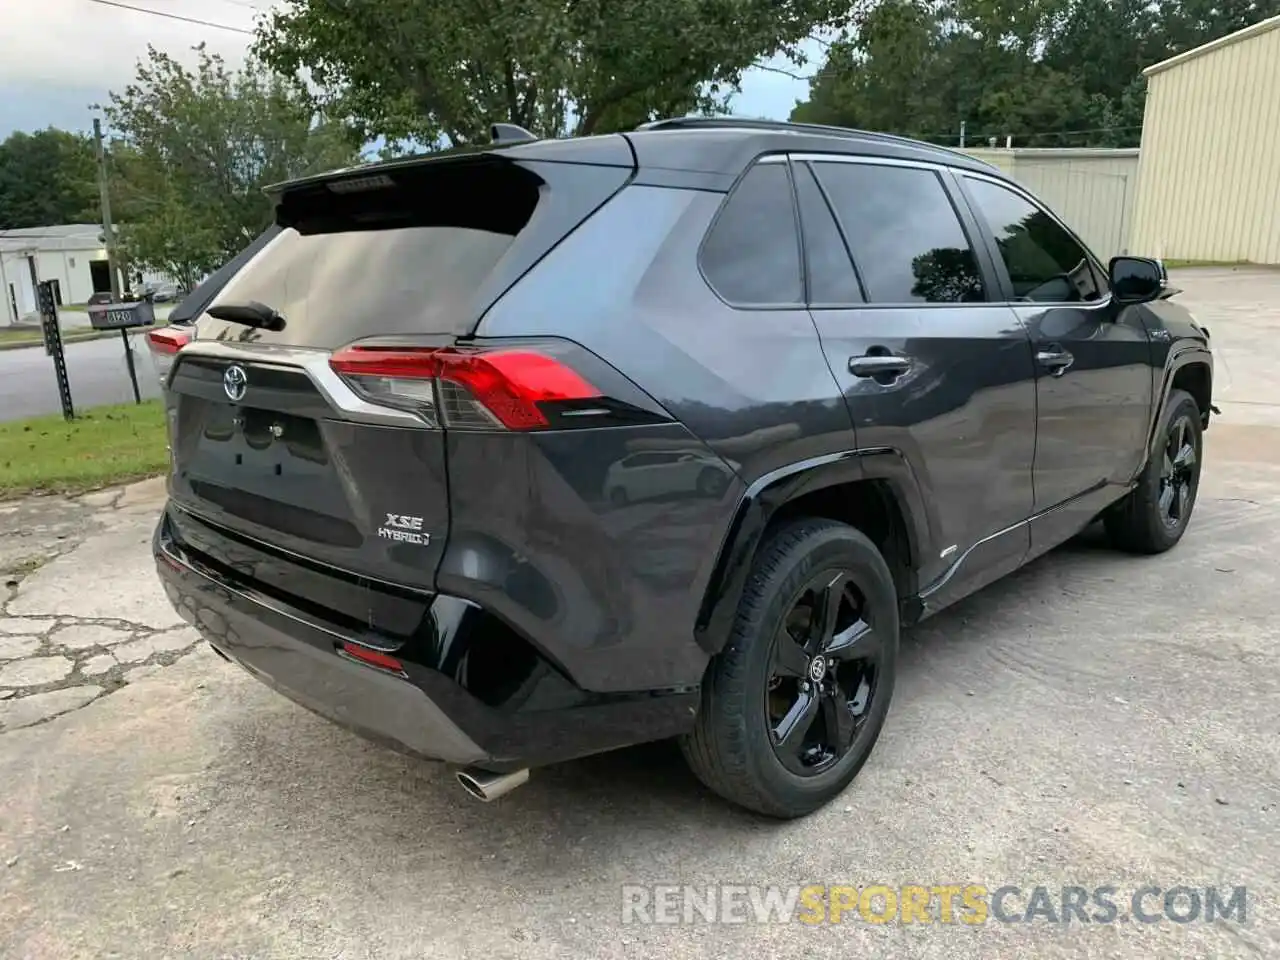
{"x":165,"y":344}
{"x":477,"y":388}
{"x":168,"y":340}
{"x":374,"y":658}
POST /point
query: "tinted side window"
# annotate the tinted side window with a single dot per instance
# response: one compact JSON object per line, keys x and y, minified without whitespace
{"x":1045,"y":263}
{"x":907,"y":241}
{"x":831,"y":275}
{"x":752,"y":254}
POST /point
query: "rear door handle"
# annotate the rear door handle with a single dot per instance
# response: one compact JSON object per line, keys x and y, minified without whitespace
{"x":879,"y":366}
{"x":1056,"y":361}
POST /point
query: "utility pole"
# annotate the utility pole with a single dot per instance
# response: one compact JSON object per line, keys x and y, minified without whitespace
{"x":108,"y":234}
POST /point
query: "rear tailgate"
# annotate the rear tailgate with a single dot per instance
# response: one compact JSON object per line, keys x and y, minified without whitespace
{"x":273,"y":450}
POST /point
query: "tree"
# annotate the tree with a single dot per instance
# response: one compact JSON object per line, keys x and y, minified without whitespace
{"x":192,"y":151}
{"x":404,"y":69}
{"x":878,"y":78}
{"x":47,"y":178}
{"x":1047,"y":72}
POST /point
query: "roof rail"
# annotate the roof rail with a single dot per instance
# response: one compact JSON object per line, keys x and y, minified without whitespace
{"x":819,"y":129}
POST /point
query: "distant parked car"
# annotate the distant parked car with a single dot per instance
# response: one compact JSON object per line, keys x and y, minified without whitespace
{"x":163,"y":292}
{"x":650,"y":475}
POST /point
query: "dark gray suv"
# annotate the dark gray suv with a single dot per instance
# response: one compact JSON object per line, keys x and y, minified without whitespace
{"x":509,"y":456}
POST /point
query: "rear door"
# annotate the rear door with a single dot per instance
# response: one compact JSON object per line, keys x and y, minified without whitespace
{"x":928,"y":365}
{"x":271,"y":444}
{"x":1093,"y":374}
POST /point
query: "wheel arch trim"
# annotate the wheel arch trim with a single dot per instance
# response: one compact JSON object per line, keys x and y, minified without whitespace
{"x":773,"y":490}
{"x":1178,"y":359}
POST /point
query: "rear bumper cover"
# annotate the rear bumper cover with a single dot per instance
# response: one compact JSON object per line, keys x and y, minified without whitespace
{"x":425,"y":714}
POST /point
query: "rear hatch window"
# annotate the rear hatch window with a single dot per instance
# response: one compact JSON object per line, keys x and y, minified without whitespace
{"x":423,"y":248}
{"x":269,"y":474}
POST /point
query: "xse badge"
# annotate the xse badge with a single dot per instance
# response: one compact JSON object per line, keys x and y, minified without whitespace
{"x":404,"y":529}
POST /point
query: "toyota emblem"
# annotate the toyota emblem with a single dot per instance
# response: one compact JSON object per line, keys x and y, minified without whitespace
{"x":235,"y":382}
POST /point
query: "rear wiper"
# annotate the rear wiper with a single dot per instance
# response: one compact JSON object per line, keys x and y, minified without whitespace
{"x":251,"y":314}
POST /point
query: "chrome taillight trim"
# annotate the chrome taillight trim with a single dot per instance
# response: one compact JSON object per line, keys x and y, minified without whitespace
{"x":314,"y":362}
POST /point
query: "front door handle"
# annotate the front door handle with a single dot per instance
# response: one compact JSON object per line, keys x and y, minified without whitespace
{"x":1056,"y":361}
{"x":879,"y":366}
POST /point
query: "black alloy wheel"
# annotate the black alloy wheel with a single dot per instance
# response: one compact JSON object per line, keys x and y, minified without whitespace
{"x":822,"y":675}
{"x":793,"y":704}
{"x":1154,"y":515}
{"x":1178,"y":474}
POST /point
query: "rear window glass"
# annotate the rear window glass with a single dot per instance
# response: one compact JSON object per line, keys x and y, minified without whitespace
{"x":907,"y":240}
{"x":415,"y":256}
{"x":752,"y":254}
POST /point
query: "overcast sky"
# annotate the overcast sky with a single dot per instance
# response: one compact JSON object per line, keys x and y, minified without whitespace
{"x":59,"y":56}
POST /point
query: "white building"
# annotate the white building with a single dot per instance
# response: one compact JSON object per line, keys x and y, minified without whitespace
{"x":71,"y":254}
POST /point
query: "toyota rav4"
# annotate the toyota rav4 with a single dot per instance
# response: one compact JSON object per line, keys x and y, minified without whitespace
{"x":509,"y":456}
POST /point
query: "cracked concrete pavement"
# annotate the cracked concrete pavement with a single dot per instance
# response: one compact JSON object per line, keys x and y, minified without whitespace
{"x":1094,"y":719}
{"x":76,"y":624}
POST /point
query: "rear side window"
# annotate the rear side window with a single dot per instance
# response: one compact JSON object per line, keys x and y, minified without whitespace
{"x":905,"y":235}
{"x":420,"y":249}
{"x":752,"y":254}
{"x":831,"y":276}
{"x":1045,"y":263}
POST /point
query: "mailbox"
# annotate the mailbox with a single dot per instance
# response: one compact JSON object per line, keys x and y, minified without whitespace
{"x":121,"y":316}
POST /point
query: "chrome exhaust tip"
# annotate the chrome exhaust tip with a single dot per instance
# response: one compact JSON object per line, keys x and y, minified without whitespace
{"x":486,"y":786}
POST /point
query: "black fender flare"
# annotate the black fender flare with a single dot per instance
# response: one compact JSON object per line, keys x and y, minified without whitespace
{"x":767,"y":494}
{"x":1182,"y":354}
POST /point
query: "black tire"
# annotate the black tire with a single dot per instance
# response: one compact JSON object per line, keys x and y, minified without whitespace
{"x":732,"y":748}
{"x":1154,"y":515}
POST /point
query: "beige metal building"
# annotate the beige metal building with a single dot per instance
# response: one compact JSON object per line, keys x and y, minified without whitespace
{"x":1093,"y":191}
{"x":1210,"y":165}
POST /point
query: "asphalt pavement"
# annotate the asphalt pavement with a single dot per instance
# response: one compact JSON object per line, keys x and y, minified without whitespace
{"x":95,"y":369}
{"x":1096,"y":720}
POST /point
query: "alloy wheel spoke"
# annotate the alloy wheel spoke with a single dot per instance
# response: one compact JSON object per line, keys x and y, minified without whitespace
{"x":789,"y":658}
{"x":1167,"y":493}
{"x":826,"y":608}
{"x":861,"y":699}
{"x":791,"y":729}
{"x":1166,"y":467}
{"x":838,"y":719}
{"x":1186,"y":457}
{"x":1184,"y":495}
{"x":856,"y":640}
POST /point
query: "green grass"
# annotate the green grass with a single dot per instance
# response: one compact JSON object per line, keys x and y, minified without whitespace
{"x":102,"y":446}
{"x":19,"y":335}
{"x":31,"y":336}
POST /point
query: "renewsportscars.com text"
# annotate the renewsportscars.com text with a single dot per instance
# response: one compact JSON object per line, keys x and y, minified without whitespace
{"x":971,"y":904}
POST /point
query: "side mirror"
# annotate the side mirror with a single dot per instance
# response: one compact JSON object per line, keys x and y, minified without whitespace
{"x":1136,"y":279}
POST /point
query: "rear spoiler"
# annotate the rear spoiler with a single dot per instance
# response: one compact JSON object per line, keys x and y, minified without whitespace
{"x":194,"y":303}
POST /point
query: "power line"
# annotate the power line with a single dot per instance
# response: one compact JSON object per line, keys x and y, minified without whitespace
{"x":174,"y":16}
